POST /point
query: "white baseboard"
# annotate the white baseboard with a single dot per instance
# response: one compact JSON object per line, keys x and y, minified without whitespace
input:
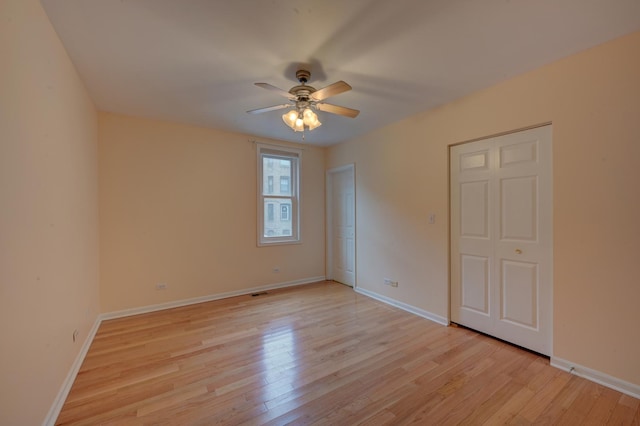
{"x":614,"y":383}
{"x":404,"y":306}
{"x":55,"y":409}
{"x":209,"y":298}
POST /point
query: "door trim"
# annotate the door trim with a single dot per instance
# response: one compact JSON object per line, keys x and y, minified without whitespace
{"x":329,"y":221}
{"x":495,"y":135}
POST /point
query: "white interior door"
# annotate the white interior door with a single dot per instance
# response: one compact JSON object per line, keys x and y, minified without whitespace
{"x":501,"y":237}
{"x":342,"y":226}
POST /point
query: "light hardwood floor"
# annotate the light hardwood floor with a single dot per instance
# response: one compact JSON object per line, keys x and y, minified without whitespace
{"x":321,"y":354}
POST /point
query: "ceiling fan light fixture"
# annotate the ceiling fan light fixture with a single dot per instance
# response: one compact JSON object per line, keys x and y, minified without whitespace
{"x":297,"y":121}
{"x":310,"y":119}
{"x":316,"y":124}
{"x":290,"y":118}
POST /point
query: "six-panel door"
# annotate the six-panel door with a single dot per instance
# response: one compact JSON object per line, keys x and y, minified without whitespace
{"x":501,"y":237}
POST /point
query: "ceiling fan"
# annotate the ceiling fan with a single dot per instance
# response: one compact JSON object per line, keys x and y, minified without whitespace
{"x":304,"y":99}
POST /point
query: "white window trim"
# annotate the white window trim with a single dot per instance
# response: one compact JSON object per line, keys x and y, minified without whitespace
{"x":294,"y":183}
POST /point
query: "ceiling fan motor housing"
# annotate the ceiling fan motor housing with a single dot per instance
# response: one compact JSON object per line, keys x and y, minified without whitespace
{"x":302,"y":92}
{"x":303,"y":76}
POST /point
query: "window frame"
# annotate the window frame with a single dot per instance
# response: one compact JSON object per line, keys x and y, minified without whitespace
{"x":293,"y":199}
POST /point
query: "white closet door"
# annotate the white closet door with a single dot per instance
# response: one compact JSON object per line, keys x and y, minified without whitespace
{"x":343,"y":226}
{"x":501,"y":237}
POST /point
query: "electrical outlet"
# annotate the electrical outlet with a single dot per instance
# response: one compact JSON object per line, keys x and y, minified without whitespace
{"x":75,"y":335}
{"x":391,"y":283}
{"x":161,"y":286}
{"x":276,"y":269}
{"x":432,"y":218}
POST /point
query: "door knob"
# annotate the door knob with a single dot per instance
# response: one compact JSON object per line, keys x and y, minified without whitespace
{"x":518,"y":251}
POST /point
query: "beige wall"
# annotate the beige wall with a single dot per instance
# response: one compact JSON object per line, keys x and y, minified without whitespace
{"x":178,"y":206}
{"x":49,"y":213}
{"x":593,"y":101}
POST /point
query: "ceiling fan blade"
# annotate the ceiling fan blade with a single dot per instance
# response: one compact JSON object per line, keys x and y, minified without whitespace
{"x":271,"y":108}
{"x":330,"y":90}
{"x":335,"y":109}
{"x":275,"y":89}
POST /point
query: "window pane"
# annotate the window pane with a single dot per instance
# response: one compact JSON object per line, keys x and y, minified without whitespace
{"x":276,"y":170}
{"x":277,"y":226}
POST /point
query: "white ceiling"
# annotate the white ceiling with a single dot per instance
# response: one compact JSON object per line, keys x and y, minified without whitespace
{"x":195,"y":61}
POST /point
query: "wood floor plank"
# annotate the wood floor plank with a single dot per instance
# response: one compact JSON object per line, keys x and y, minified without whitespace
{"x":602,"y":409}
{"x":626,"y":412}
{"x":539,"y":403}
{"x":583,"y":402}
{"x":321,"y":354}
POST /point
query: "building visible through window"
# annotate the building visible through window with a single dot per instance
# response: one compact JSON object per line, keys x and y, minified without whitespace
{"x":270,"y":212}
{"x":284,"y":211}
{"x":284,"y":184}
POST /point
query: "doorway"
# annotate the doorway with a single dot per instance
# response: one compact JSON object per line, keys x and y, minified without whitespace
{"x":341,"y":225}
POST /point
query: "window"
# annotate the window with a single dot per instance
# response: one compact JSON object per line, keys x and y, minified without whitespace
{"x":281,"y":165}
{"x":285,"y":210}
{"x":284,"y":184}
